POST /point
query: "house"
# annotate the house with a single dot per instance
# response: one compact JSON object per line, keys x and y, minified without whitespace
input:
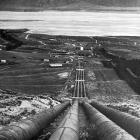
{"x":3,"y":61}
{"x":55,"y":65}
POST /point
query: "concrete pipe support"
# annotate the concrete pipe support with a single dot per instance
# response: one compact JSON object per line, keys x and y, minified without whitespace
{"x":69,"y":127}
{"x":31,"y":127}
{"x":128,"y":122}
{"x":105,"y":128}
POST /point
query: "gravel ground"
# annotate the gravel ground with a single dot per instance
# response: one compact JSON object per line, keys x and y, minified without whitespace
{"x":115,"y":94}
{"x":16,"y":107}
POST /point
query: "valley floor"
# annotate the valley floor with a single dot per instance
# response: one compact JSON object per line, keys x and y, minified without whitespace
{"x":40,"y":73}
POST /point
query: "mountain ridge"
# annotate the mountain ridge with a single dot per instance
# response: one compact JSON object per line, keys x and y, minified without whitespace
{"x":66,"y":4}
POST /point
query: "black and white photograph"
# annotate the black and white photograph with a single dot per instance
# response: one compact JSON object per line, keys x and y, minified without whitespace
{"x":69,"y":69}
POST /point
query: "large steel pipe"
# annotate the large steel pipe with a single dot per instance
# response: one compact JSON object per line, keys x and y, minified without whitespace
{"x":105,"y":128}
{"x":69,"y":127}
{"x":128,"y":122}
{"x":31,"y":127}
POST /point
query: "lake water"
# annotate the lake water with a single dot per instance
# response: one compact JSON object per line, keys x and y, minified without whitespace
{"x":73,"y":23}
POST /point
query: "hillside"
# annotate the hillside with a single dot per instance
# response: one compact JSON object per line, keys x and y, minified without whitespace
{"x":65,"y":4}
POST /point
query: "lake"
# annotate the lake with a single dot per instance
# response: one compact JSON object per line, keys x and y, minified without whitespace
{"x":73,"y":23}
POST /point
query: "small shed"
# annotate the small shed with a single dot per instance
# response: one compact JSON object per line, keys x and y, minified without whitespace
{"x":46,"y":60}
{"x":81,"y":48}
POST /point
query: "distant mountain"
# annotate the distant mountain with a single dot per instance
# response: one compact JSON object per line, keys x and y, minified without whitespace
{"x":64,"y":4}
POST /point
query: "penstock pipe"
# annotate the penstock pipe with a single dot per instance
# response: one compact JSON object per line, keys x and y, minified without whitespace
{"x":105,"y":128}
{"x":128,"y":122}
{"x":69,"y":127}
{"x":30,"y":128}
